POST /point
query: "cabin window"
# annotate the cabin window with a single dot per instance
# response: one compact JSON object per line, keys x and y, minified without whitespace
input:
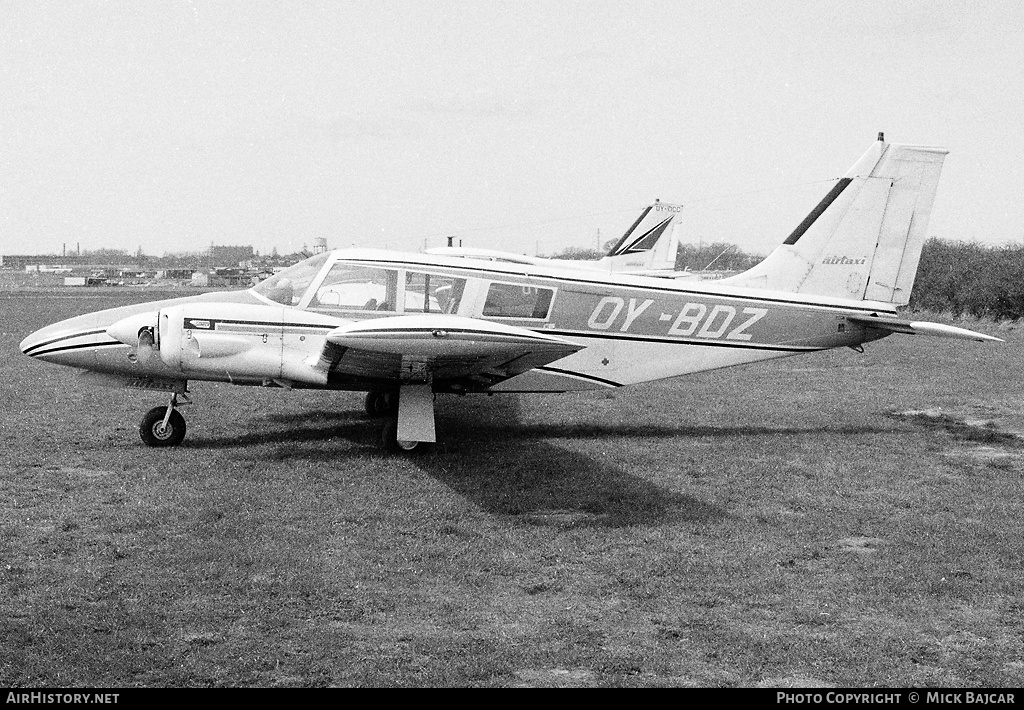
{"x":351,"y":287}
{"x":518,"y":301}
{"x":432,"y":293}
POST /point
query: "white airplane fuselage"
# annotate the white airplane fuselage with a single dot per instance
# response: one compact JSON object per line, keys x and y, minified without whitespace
{"x":631,"y":329}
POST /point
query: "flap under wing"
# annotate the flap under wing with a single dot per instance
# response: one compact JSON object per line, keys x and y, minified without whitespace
{"x":433,"y":347}
{"x":896,"y":325}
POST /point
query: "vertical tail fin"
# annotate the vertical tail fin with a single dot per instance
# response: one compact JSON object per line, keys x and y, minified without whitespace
{"x":864,"y":239}
{"x":650,"y":244}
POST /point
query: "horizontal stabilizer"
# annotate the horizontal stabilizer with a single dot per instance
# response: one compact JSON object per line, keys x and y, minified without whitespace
{"x":895,"y":325}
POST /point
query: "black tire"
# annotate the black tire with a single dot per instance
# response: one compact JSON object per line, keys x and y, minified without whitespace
{"x":381,"y":404}
{"x":390,"y":442}
{"x":154,"y":433}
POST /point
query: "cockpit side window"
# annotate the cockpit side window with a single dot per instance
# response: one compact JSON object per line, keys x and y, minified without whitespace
{"x":288,"y":286}
{"x":432,"y":293}
{"x":352,"y":287}
{"x":518,"y":301}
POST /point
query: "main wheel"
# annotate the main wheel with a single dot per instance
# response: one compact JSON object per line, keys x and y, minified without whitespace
{"x":391,"y":442}
{"x":381,"y":404}
{"x":153,"y":431}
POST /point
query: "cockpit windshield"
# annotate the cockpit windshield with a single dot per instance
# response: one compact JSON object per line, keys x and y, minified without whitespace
{"x":288,"y":286}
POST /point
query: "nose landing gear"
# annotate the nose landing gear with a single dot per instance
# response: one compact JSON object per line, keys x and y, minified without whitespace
{"x":163,"y":426}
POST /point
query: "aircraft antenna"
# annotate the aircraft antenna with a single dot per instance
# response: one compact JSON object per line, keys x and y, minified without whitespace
{"x":728,"y":248}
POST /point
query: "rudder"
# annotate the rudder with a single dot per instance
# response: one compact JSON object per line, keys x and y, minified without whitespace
{"x":864,"y":239}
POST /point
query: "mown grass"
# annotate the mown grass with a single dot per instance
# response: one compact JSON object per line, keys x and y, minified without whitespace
{"x":767,"y":525}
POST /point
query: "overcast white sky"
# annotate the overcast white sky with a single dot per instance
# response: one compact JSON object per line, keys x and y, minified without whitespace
{"x":173,"y":124}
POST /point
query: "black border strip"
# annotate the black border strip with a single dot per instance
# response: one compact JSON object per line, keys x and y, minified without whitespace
{"x":29,"y":351}
{"x":705,"y":343}
{"x":655,"y":232}
{"x":816,"y":212}
{"x":233,"y":321}
{"x":72,"y":347}
{"x":557,"y":371}
{"x":614,"y":251}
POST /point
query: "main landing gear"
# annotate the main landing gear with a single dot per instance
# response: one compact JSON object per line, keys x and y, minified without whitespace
{"x":408,"y":418}
{"x":163,"y":426}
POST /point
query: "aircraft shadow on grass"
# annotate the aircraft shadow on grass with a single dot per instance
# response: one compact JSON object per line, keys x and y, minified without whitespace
{"x":508,"y":467}
{"x":533,"y":480}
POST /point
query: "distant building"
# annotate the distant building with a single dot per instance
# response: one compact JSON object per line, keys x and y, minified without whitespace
{"x":44,"y":269}
{"x":84,"y":281}
{"x":222,"y":278}
{"x":174,"y":273}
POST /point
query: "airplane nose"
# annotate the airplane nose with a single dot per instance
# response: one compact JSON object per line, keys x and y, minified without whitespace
{"x":31,"y":343}
{"x":81,"y":341}
{"x":70,"y":342}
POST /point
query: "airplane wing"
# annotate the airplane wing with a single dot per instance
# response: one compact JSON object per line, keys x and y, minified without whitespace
{"x":464,"y":353}
{"x":896,"y":325}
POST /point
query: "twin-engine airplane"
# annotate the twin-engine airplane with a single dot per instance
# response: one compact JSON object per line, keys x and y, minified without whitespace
{"x":403,"y":327}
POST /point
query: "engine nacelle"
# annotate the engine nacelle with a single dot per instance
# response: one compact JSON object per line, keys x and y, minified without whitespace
{"x":242,"y":343}
{"x":140,"y":332}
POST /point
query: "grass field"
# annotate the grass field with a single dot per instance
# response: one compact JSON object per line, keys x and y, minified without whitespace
{"x":837,"y":519}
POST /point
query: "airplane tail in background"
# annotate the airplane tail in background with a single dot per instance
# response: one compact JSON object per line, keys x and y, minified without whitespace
{"x":864,"y":239}
{"x":650,"y":245}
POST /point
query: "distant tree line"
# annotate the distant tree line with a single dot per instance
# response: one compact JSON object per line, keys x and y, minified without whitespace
{"x":717,"y":256}
{"x":580,"y":254}
{"x":184,"y":260}
{"x":963,"y":278}
{"x":692,"y":257}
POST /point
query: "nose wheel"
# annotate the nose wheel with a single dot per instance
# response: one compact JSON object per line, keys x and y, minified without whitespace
{"x":163,"y":426}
